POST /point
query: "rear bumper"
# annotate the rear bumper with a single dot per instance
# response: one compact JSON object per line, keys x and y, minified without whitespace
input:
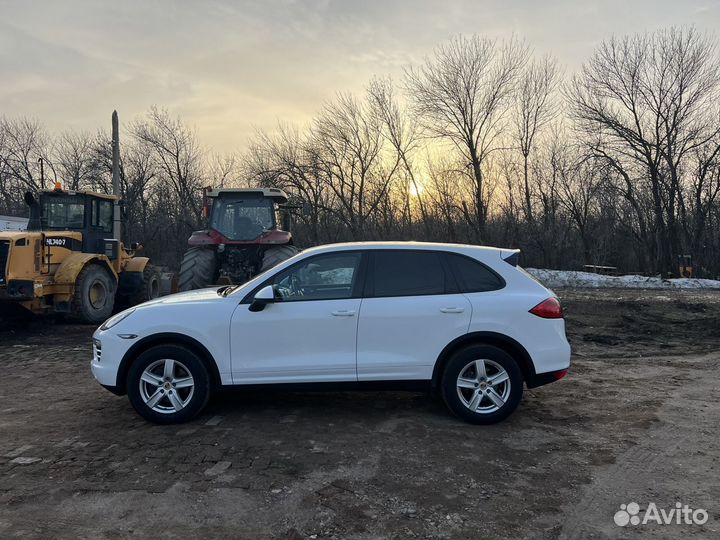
{"x":540,"y":379}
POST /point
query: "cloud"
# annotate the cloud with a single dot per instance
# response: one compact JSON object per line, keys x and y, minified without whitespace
{"x":227,"y":66}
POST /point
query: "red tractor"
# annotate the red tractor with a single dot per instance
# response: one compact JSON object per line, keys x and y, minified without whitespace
{"x":243,"y":237}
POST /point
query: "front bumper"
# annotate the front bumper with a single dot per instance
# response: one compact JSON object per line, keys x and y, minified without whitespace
{"x":108,"y":350}
{"x":105,"y":375}
{"x":18,"y":290}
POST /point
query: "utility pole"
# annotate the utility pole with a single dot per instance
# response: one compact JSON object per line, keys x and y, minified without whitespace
{"x":116,"y":174}
{"x":41,"y":161}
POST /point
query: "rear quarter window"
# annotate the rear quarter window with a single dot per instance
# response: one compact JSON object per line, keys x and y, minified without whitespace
{"x":472,"y":275}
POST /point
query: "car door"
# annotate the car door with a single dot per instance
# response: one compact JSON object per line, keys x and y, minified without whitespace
{"x":309,"y":333}
{"x":493,"y":310}
{"x":410,"y":311}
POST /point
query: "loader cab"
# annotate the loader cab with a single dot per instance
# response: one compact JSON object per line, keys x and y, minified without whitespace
{"x":88,"y":213}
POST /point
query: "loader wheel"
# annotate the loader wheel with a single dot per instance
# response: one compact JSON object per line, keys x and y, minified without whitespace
{"x":197,"y":269}
{"x":94,"y":294}
{"x":150,"y":287}
{"x":276,"y":255}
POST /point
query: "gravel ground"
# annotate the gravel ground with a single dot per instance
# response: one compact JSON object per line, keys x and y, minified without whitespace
{"x":636,"y":420}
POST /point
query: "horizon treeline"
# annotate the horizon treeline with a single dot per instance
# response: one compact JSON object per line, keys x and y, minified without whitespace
{"x":484,"y":142}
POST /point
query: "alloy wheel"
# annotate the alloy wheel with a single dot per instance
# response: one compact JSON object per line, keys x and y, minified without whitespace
{"x":483,"y":386}
{"x":166,"y":386}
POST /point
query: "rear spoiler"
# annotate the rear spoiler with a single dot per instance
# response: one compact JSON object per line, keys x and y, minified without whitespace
{"x":510,"y":256}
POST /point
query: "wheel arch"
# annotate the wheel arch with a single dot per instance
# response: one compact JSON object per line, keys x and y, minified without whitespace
{"x":136,"y":264}
{"x":501,"y":341}
{"x":73,"y":264}
{"x":166,"y":338}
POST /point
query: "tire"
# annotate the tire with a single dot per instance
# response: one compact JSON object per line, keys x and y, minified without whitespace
{"x":197,"y":269}
{"x":149,"y":288}
{"x":94,"y":296}
{"x":160,"y":401}
{"x":495,"y":402}
{"x":276,"y":255}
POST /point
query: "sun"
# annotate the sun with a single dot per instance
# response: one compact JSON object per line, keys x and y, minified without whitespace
{"x":416,"y":189}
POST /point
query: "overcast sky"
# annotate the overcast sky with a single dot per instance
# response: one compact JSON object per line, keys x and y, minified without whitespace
{"x":228,"y":66}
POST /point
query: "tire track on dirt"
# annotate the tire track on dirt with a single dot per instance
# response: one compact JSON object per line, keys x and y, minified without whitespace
{"x":647,"y":466}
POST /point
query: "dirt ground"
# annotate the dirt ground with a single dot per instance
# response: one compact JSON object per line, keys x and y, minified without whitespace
{"x":636,"y":420}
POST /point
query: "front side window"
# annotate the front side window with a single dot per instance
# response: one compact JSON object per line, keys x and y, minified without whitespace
{"x":242,"y":219}
{"x":325,"y":277}
{"x":63,"y":213}
{"x":407,"y":273}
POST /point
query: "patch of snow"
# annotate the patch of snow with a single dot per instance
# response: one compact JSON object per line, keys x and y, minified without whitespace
{"x":572,"y":278}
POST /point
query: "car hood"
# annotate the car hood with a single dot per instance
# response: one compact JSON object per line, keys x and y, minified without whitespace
{"x":189,"y":297}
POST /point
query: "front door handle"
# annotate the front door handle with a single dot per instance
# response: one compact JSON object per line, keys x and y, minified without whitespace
{"x":344,"y":313}
{"x":452,"y":309}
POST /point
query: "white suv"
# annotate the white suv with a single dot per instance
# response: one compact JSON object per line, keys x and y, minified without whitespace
{"x":461,"y":320}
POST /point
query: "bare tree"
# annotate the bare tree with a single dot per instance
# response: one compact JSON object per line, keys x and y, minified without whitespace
{"x":178,"y":156}
{"x":73,"y":155}
{"x":25,"y":145}
{"x":535,"y":107}
{"x":401,"y":131}
{"x":649,"y":102}
{"x":223,"y":170}
{"x":462,"y":94}
{"x":347,"y":145}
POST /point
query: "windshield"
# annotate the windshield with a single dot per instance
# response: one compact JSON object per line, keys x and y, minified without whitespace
{"x":242,"y":219}
{"x":63,"y":212}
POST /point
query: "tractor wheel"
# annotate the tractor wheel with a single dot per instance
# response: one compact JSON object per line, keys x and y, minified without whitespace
{"x":197,"y":269}
{"x":276,"y":255}
{"x":150,"y":287}
{"x":94,"y":294}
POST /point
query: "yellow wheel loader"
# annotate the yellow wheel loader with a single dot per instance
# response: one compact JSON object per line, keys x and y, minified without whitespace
{"x":70,"y":261}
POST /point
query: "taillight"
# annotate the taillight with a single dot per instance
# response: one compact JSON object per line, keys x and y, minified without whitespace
{"x":548,"y":309}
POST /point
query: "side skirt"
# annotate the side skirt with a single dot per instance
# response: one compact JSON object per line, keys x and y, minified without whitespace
{"x":343,"y":386}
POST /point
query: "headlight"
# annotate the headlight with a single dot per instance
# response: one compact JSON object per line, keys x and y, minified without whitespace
{"x":112,"y":321}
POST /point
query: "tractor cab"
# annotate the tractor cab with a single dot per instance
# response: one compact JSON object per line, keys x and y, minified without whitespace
{"x":248,"y":231}
{"x":244,"y":214}
{"x":85,"y":212}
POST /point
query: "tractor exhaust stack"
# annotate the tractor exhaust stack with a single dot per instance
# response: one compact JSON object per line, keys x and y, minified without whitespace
{"x":116,"y":174}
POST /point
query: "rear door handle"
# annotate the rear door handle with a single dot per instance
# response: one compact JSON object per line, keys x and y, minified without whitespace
{"x":344,"y":313}
{"x":452,"y":309}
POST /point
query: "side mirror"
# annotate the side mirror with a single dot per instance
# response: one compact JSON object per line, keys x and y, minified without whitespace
{"x":263,"y":297}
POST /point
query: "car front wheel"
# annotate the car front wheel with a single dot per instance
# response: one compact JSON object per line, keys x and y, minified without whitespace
{"x":168,"y":384}
{"x":482,"y":384}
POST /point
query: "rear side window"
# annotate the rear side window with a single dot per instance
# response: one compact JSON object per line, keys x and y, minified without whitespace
{"x":407,"y":273}
{"x":472,"y":275}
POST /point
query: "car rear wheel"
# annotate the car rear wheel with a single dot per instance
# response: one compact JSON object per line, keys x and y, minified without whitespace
{"x":168,"y":384}
{"x":482,"y":384}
